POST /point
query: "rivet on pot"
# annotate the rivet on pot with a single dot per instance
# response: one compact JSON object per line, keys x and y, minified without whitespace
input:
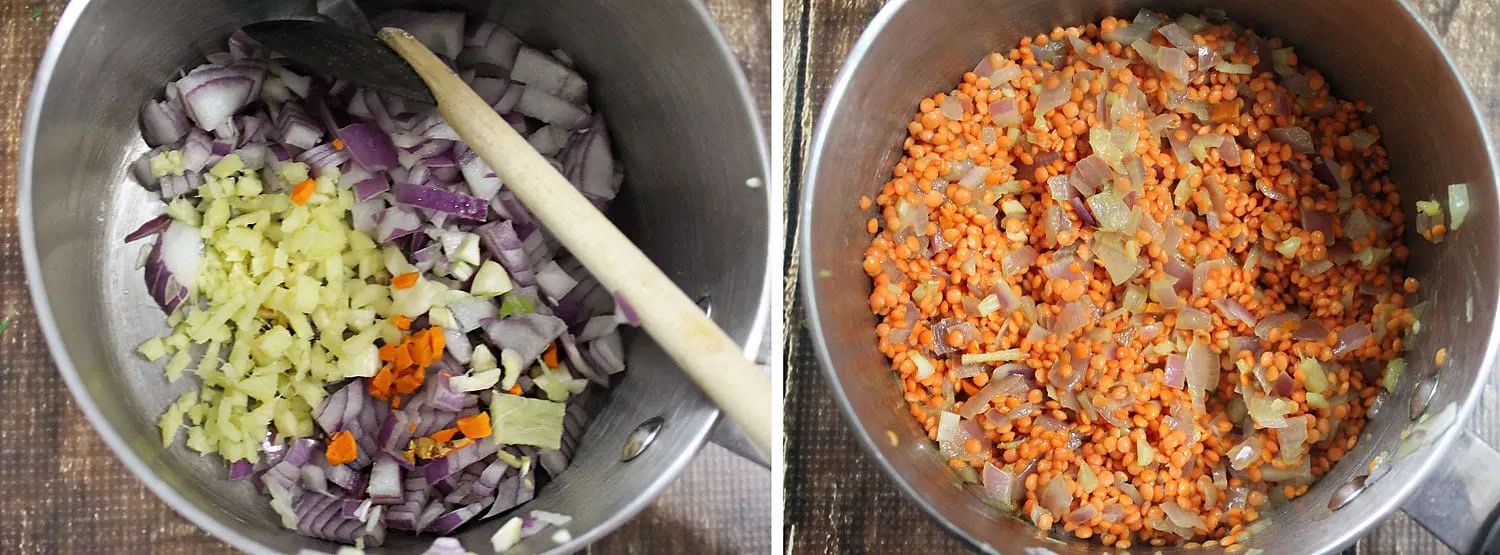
{"x":641,"y":438}
{"x":1347,"y":493}
{"x":706,"y":304}
{"x":1423,"y":396}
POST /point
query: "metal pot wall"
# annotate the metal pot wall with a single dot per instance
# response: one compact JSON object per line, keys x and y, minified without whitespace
{"x":683,"y":126}
{"x":1375,"y":50}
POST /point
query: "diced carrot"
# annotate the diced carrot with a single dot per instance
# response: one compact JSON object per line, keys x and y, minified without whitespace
{"x":342,"y":449}
{"x":404,"y":281}
{"x":476,"y":426}
{"x":438,"y":341}
{"x":549,"y":358}
{"x":380,"y":385}
{"x":411,"y":427}
{"x":388,"y":352}
{"x":303,"y":191}
{"x":460,"y":444}
{"x":417,"y":350}
{"x":396,"y":402}
{"x":338,"y":144}
{"x":403,"y":359}
{"x":515,"y":389}
{"x":445,"y":435}
{"x":401,"y":322}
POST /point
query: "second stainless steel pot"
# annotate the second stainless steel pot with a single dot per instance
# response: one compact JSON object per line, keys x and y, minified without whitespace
{"x":1375,"y":50}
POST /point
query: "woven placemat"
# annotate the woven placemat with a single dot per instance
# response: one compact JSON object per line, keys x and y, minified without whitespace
{"x":64,"y":490}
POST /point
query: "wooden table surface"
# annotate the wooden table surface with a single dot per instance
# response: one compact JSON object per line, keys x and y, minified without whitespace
{"x":838,"y":502}
{"x":65,"y":492}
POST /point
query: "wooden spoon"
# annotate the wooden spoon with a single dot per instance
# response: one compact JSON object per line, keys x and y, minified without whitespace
{"x":708,"y":356}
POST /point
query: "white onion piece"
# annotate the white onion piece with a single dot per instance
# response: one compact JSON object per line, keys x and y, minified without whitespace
{"x":1292,"y":440}
{"x":1458,"y":205}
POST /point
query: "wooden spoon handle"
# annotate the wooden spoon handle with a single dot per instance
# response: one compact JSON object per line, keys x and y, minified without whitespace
{"x":740,"y":388}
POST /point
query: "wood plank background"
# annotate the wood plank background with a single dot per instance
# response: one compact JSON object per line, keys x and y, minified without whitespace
{"x":65,"y":492}
{"x":838,"y":502}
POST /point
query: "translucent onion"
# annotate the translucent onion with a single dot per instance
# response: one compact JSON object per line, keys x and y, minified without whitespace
{"x":1310,"y":330}
{"x":1000,"y":486}
{"x":1180,"y":516}
{"x":1232,"y":309}
{"x":1089,"y":174}
{"x":1298,"y":138}
{"x":1050,"y":99}
{"x":1248,"y":451}
{"x":1119,"y":258}
{"x":1074,"y":315}
{"x":1268,"y":412}
{"x":1176,"y":372}
{"x":1055,"y":497}
{"x":1202,"y":367}
{"x":1189,"y":318}
{"x":1163,"y":124}
{"x":924,"y":367}
{"x":1087,"y":480}
{"x":1200,"y":144}
{"x":1173,"y":62}
{"x":952,"y":108}
{"x":1179,"y":37}
{"x":1458,"y":205}
{"x":1059,"y":187}
{"x":1004,"y":113}
{"x":1351,"y":338}
{"x":1275,"y":322}
{"x":988,"y":305}
{"x":1202,"y":271}
{"x":980,"y":400}
{"x":1019,"y":260}
{"x":1292,"y":439}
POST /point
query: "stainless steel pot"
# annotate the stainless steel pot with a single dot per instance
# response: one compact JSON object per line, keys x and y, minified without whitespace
{"x":684,"y":127}
{"x":1376,"y":50}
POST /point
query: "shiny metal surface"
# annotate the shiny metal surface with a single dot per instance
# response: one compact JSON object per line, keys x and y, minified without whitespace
{"x":684,"y":128}
{"x":1377,"y":51}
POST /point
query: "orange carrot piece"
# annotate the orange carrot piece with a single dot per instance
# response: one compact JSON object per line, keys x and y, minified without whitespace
{"x":549,"y":358}
{"x":338,"y":144}
{"x":404,"y":281}
{"x":437,"y":342}
{"x":403,"y":359}
{"x":388,"y":352}
{"x":303,"y":191}
{"x":380,"y":385}
{"x":515,"y":389}
{"x":476,"y":426}
{"x":342,"y":449}
{"x":445,"y":435}
{"x":401,"y":322}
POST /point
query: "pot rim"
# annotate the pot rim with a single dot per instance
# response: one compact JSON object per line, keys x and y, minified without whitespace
{"x":754,"y":338}
{"x":867,"y":441}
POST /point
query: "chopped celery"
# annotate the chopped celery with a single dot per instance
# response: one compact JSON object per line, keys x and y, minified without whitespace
{"x":523,"y":421}
{"x":153,"y":349}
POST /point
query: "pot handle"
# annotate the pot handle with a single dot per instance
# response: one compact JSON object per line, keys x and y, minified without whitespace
{"x":1458,"y":503}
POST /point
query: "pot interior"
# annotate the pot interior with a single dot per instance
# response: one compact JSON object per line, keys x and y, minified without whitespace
{"x":1373,"y":51}
{"x":682,"y":126}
